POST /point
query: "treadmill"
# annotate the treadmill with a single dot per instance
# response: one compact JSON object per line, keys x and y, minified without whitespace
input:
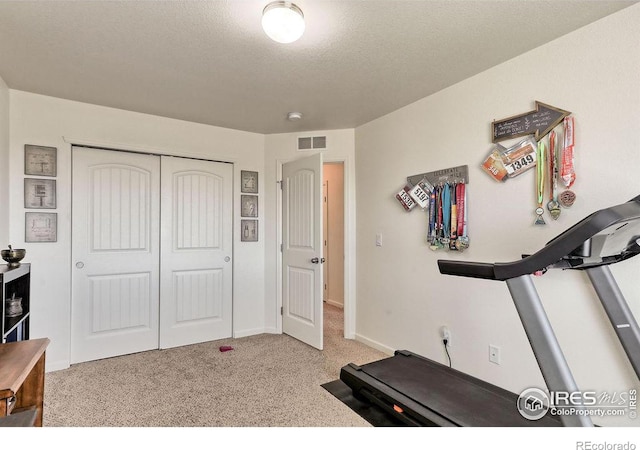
{"x":422,"y":392}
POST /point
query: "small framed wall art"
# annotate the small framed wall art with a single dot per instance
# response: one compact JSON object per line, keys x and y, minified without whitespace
{"x":249,"y":229}
{"x":248,"y":182}
{"x":41,"y":227}
{"x":39,"y":193}
{"x":39,"y":160}
{"x":249,"y":205}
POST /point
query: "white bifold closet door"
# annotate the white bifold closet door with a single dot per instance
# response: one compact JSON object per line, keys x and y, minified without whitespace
{"x":145,"y":279}
{"x":196,"y":241}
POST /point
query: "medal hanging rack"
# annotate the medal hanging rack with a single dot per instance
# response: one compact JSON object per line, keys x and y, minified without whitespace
{"x":557,"y":167}
{"x":442,"y":194}
{"x":553,"y":157}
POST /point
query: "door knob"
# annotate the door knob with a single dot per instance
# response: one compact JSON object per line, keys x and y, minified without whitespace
{"x":227,"y":259}
{"x":317,"y":260}
{"x":79,"y":264}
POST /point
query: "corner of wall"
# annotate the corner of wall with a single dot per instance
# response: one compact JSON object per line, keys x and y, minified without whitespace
{"x":4,"y":159}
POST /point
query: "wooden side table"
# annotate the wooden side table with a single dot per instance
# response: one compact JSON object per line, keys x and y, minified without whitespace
{"x":22,"y":377}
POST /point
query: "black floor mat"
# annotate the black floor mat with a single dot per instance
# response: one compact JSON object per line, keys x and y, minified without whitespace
{"x":371,"y":413}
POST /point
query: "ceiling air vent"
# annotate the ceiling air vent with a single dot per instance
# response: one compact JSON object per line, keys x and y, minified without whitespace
{"x":310,"y":143}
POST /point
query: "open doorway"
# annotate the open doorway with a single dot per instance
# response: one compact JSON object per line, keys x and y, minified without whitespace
{"x":333,"y":248}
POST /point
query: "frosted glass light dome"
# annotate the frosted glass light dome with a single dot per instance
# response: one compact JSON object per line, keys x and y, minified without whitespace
{"x":283,"y":22}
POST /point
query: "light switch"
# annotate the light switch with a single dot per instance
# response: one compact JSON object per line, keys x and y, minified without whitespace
{"x":379,"y":240}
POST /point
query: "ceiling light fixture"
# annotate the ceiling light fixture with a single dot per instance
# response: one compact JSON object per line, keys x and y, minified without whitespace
{"x":293,"y":116}
{"x":283,"y":22}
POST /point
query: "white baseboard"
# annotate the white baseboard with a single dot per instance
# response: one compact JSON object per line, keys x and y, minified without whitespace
{"x":54,"y":366}
{"x":374,"y":344}
{"x":251,"y":332}
{"x":334,"y":303}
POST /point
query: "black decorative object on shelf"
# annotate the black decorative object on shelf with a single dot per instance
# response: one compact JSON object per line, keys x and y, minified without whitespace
{"x":15,"y":284}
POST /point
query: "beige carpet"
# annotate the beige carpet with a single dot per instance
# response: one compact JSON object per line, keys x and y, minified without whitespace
{"x":266,"y":381}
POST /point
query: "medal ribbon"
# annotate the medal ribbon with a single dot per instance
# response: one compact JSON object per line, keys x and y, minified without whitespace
{"x":568,"y":173}
{"x":439,"y":207}
{"x":460,"y":197}
{"x":464,"y":231}
{"x":446,"y":209}
{"x":432,"y":215}
{"x":454,"y":211}
{"x":540,"y":169}
{"x":552,"y":162}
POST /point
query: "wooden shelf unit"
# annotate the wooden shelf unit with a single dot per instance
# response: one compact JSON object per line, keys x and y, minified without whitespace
{"x":22,"y":377}
{"x":15,"y":280}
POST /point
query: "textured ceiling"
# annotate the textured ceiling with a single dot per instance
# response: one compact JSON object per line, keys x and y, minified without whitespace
{"x":210,"y":62}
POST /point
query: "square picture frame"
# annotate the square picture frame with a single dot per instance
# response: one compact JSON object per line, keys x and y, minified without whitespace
{"x":41,"y":227}
{"x":39,"y":193}
{"x":249,"y":231}
{"x":248,"y":182}
{"x":249,"y":206}
{"x":40,"y":160}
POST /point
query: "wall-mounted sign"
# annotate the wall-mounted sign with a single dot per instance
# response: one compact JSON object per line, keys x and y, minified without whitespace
{"x":451,"y":175}
{"x":538,"y":123}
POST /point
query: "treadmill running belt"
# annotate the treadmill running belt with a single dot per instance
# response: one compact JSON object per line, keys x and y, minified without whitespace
{"x":459,"y":398}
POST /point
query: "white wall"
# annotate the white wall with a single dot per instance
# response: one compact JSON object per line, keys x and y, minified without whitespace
{"x":4,"y":163}
{"x":333,"y":174}
{"x":403,"y":299}
{"x":49,"y":121}
{"x":281,"y":148}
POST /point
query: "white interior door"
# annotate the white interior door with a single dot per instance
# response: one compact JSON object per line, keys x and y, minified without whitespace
{"x":197,"y":238}
{"x":115,"y":248}
{"x":302,"y":257}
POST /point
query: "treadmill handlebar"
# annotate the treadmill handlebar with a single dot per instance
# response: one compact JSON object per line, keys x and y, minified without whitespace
{"x":466,"y":269}
{"x":558,"y":248}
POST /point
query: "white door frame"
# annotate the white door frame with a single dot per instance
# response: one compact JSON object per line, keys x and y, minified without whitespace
{"x":349,"y":248}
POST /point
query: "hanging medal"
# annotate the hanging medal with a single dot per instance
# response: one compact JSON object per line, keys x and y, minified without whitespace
{"x":462,"y":241}
{"x":567,"y":173}
{"x":432,"y":217}
{"x":435,"y":244}
{"x":465,"y":234}
{"x":446,"y":214}
{"x":540,"y":169}
{"x":454,"y":216}
{"x":439,"y":220}
{"x":553,"y":206}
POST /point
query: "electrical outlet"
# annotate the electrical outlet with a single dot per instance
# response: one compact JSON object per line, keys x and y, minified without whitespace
{"x":379,"y":240}
{"x":446,"y":334}
{"x":494,"y":354}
